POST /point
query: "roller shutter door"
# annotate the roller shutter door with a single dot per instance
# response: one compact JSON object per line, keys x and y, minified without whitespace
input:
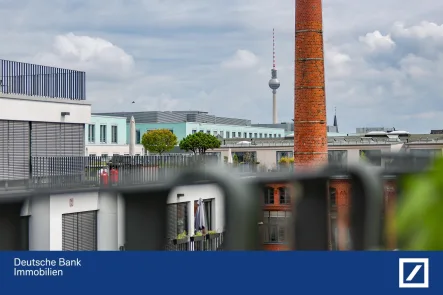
{"x":14,"y":150}
{"x":79,"y":231}
{"x":57,"y":149}
{"x":57,"y":140}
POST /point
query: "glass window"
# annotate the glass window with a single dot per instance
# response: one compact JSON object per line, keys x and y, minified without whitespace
{"x":371,"y":156}
{"x":275,"y":226}
{"x":194,"y":131}
{"x":103,"y":133}
{"x":91,"y":133}
{"x":269,"y":195}
{"x":285,"y":197}
{"x":137,"y":136}
{"x":114,"y":135}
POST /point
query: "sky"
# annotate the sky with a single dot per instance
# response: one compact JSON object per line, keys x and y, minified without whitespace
{"x":383,"y":59}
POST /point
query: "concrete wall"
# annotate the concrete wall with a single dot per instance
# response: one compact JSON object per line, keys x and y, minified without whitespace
{"x":193,"y":193}
{"x":39,"y":223}
{"x":109,"y":149}
{"x":40,"y":109}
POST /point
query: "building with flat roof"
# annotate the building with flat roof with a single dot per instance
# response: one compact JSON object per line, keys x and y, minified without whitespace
{"x":341,"y":149}
{"x":183,"y":123}
{"x":43,"y":114}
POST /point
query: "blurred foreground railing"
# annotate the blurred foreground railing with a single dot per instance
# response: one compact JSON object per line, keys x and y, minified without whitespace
{"x":361,"y":206}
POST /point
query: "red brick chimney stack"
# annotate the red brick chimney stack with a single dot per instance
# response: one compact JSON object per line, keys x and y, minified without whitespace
{"x":310,"y":131}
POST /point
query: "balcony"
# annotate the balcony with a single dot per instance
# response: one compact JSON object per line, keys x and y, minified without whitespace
{"x":42,"y":81}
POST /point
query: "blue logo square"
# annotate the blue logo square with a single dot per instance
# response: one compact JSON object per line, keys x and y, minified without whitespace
{"x":414,"y":273}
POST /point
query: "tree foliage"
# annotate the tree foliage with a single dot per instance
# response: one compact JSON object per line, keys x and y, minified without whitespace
{"x":418,"y":218}
{"x":199,"y":143}
{"x":159,"y":141}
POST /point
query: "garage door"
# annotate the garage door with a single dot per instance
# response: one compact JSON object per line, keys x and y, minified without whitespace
{"x":79,"y":231}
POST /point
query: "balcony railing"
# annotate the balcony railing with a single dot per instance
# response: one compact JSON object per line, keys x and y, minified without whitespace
{"x":44,"y":81}
{"x":208,"y":242}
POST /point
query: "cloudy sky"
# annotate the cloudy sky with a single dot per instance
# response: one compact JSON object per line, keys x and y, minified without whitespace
{"x":384,"y":59}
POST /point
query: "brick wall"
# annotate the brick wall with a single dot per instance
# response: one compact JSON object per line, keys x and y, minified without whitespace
{"x":310,"y":140}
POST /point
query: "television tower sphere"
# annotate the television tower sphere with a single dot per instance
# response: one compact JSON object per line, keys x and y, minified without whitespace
{"x":274,"y":84}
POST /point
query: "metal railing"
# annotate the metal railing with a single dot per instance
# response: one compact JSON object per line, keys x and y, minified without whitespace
{"x":208,"y":242}
{"x":37,"y":80}
{"x":309,"y":226}
{"x":74,"y":172}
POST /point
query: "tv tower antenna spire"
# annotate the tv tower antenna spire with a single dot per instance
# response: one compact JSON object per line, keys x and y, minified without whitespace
{"x":274,"y":83}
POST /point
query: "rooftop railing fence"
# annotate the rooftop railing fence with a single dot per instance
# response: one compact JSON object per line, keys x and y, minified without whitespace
{"x":146,"y":206}
{"x":44,"y":81}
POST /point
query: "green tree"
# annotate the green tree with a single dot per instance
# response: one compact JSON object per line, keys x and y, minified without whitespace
{"x":159,"y":141}
{"x":199,"y":143}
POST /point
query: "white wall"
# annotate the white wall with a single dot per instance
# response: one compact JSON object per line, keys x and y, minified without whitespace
{"x":109,"y":149}
{"x":60,"y":204}
{"x":193,"y":193}
{"x":40,"y":109}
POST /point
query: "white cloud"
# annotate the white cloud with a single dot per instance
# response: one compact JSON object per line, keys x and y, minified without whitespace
{"x":93,"y":55}
{"x":241,"y":60}
{"x":376,"y":41}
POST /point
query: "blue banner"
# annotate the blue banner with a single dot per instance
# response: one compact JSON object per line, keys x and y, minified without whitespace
{"x":128,"y":273}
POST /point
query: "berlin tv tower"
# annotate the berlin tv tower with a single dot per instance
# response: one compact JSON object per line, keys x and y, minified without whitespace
{"x":274,"y":83}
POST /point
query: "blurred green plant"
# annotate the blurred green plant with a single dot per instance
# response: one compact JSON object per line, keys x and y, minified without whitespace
{"x":198,"y":234}
{"x":212,"y":232}
{"x":419,"y":218}
{"x":183,"y":235}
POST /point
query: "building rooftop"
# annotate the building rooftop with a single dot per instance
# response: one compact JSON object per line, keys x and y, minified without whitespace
{"x":178,"y":117}
{"x":43,"y":81}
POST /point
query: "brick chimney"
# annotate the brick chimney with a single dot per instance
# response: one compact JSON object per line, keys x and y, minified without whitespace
{"x":310,"y":131}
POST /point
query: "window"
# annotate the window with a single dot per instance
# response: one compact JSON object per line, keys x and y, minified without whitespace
{"x":239,"y":134}
{"x":215,"y":133}
{"x":266,"y":135}
{"x":282,"y":154}
{"x":275,"y":226}
{"x":137,"y":136}
{"x":93,"y":155}
{"x":221,"y":134}
{"x":333,"y":196}
{"x":227,"y":134}
{"x":114,"y":134}
{"x":208,"y":212}
{"x":103,"y":133}
{"x":250,"y":135}
{"x":172,"y":131}
{"x":194,"y":131}
{"x":201,"y":131}
{"x":91,"y":133}
{"x":245,"y":135}
{"x":279,"y":135}
{"x":371,"y":156}
{"x":339,"y":158}
{"x":285,"y":197}
{"x":177,"y":215}
{"x":269,"y":196}
{"x":105,"y":156}
{"x":261,"y":135}
{"x":208,"y":131}
{"x":275,"y":135}
{"x":255,"y":135}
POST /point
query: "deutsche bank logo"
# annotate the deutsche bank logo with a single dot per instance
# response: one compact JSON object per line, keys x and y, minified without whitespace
{"x":413,"y":272}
